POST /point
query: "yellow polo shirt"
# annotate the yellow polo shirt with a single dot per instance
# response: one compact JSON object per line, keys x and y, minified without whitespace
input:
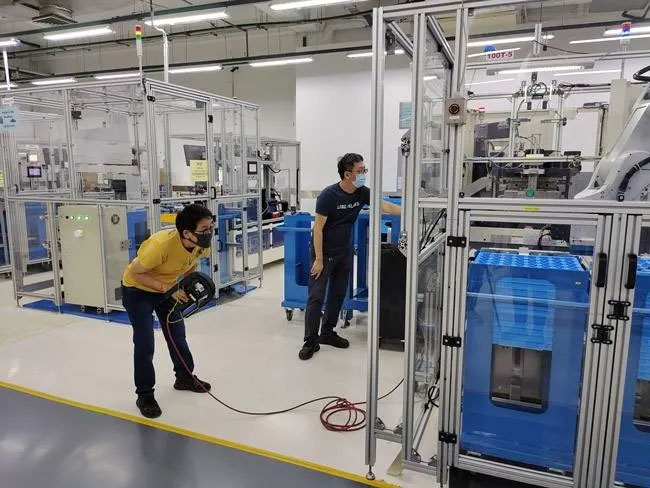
{"x":165,"y":257}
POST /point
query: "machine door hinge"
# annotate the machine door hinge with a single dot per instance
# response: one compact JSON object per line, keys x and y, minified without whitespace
{"x":215,"y":268}
{"x":619,"y":310}
{"x":601,"y":334}
{"x":451,"y":341}
{"x":447,"y":437}
{"x":456,"y":241}
{"x":210,"y":118}
{"x":151,"y":98}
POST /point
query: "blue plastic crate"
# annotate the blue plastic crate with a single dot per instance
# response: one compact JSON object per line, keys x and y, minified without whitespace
{"x":536,"y":302}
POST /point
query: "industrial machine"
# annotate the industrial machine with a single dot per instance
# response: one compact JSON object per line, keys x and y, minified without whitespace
{"x":87,"y":235}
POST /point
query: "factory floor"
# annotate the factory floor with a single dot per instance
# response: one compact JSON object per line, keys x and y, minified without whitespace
{"x":248,"y":351}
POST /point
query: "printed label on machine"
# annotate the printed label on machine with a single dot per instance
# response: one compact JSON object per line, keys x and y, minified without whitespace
{"x":8,"y":118}
{"x":198,"y":170}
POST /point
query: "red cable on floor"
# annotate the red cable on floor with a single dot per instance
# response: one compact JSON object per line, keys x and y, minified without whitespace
{"x":356,"y":419}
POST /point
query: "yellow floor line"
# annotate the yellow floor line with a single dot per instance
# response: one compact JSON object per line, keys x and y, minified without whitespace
{"x":202,"y":437}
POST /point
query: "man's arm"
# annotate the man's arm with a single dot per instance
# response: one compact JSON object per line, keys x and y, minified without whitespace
{"x":390,"y":208}
{"x":142,"y":276}
{"x":319,"y":224}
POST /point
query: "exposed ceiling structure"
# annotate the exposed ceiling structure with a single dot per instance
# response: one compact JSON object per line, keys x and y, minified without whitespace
{"x":253,"y":30}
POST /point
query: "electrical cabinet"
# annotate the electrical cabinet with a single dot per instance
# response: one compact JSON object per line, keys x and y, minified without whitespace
{"x":81,"y":228}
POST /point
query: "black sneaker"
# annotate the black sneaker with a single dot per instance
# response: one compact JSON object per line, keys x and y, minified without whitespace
{"x":192,"y":384}
{"x":148,"y":406}
{"x":308,"y":350}
{"x":333,"y":339}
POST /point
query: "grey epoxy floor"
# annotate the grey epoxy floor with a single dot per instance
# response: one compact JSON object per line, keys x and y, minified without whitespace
{"x":48,"y":444}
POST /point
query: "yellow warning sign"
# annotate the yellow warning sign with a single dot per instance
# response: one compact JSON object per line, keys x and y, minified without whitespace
{"x":198,"y":170}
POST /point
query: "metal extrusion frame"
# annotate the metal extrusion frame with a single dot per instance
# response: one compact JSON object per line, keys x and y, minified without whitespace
{"x":15,"y":199}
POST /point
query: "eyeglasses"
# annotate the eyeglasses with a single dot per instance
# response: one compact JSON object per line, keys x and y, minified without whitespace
{"x":362,"y":172}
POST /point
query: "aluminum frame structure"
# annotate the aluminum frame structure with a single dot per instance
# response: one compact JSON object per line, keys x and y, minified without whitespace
{"x":149,"y":101}
{"x":616,"y":235}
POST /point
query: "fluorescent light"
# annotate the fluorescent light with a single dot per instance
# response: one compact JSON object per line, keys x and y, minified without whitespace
{"x":493,"y":52}
{"x":9,"y":42}
{"x":195,"y":69}
{"x":54,"y":81}
{"x":539,"y":69}
{"x":589,"y":72}
{"x":368,"y":54}
{"x":3,"y":85}
{"x":188,"y":19}
{"x":75,"y":34}
{"x":114,"y":76}
{"x":605,"y":39}
{"x":487,"y":82}
{"x":430,"y":77}
{"x":633,"y":30}
{"x":511,"y":40}
{"x":280,"y":62}
{"x":308,"y":4}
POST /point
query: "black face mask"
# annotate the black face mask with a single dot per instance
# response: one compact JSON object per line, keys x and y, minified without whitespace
{"x":203,"y":239}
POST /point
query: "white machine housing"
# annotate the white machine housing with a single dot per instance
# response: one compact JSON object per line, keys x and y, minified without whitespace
{"x":631,"y":148}
{"x":81,"y":243}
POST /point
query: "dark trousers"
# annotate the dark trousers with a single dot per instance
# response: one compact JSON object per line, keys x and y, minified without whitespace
{"x":140,"y":305}
{"x":333,"y":280}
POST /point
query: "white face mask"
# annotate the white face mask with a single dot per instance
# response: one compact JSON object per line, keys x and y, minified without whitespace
{"x":360,"y":180}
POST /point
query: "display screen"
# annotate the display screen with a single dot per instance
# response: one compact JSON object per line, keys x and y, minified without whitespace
{"x":34,"y":172}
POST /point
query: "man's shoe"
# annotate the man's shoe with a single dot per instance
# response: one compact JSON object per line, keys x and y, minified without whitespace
{"x":192,"y":384}
{"x":148,"y":406}
{"x":333,"y":339}
{"x":308,"y":350}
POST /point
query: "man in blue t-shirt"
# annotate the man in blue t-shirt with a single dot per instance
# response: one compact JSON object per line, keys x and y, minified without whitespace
{"x":337,"y":208}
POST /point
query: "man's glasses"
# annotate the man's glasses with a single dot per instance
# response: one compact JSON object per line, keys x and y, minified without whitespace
{"x":362,"y":172}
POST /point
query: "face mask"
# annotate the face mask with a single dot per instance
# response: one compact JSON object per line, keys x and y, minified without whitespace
{"x":203,"y":240}
{"x":360,"y":181}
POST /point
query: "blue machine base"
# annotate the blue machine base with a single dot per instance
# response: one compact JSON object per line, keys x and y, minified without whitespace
{"x":114,"y":316}
{"x":242,"y":289}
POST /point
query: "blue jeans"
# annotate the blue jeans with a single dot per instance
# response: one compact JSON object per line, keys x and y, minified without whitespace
{"x":140,"y":305}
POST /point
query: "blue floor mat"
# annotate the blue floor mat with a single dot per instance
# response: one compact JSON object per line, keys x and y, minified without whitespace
{"x":114,"y":316}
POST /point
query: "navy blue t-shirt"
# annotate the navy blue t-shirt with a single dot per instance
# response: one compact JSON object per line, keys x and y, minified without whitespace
{"x":341,"y":209}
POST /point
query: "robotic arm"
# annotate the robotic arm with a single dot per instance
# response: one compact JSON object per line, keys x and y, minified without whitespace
{"x":622,"y":173}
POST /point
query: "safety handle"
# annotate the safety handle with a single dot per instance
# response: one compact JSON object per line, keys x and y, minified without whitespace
{"x":214,"y":193}
{"x":630,"y":281}
{"x":601,"y":273}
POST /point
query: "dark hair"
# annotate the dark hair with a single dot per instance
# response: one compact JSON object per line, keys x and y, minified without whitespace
{"x":190,"y":216}
{"x":347,"y":162}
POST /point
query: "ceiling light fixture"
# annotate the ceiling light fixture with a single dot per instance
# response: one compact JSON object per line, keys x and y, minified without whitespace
{"x":488,"y":82}
{"x":605,"y":39}
{"x":368,"y":54}
{"x":511,"y":40}
{"x":76,"y":34}
{"x":539,"y":69}
{"x":280,"y":62}
{"x":430,"y":77}
{"x":589,"y":72}
{"x":493,"y":52}
{"x":309,"y":4}
{"x":188,"y":19}
{"x":195,"y":69}
{"x":115,"y":76}
{"x":54,"y":81}
{"x":634,"y":30}
{"x":9,"y":42}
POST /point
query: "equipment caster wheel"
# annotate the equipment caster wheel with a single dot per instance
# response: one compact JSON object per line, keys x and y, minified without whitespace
{"x":100,"y":310}
{"x":289,"y":314}
{"x":346,"y":324}
{"x":370,"y":476}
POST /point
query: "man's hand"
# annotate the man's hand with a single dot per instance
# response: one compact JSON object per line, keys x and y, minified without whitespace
{"x":317,"y":268}
{"x":180,"y":296}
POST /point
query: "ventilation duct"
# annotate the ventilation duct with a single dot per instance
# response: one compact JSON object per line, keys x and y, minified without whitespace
{"x":53,"y":14}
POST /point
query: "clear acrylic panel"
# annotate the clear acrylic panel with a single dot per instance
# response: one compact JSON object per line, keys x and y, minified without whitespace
{"x":527,"y":310}
{"x":253,"y":171}
{"x":230,"y":217}
{"x":253,"y":230}
{"x":43,"y":160}
{"x":228,"y":140}
{"x":182,"y":155}
{"x":125,"y":228}
{"x":633,"y":462}
{"x":109,"y":142}
{"x":31,"y":254}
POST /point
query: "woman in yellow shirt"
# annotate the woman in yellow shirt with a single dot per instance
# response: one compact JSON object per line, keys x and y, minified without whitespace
{"x":162,"y":259}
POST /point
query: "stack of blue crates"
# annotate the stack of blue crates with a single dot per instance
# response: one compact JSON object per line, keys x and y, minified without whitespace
{"x":633,"y":465}
{"x":536,"y":302}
